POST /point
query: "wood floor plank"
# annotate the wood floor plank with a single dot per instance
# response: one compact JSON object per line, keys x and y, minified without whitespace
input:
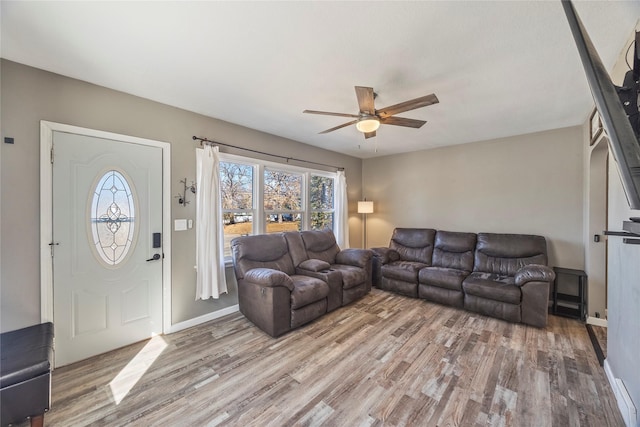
{"x":383,"y":360}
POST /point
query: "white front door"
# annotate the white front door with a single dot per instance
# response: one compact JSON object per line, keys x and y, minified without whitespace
{"x":107,"y":244}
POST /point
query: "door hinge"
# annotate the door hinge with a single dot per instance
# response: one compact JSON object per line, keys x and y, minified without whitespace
{"x":51,"y":245}
{"x":51,"y":154}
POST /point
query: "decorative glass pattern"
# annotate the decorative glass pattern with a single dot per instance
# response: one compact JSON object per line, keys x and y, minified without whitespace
{"x":113,"y":217}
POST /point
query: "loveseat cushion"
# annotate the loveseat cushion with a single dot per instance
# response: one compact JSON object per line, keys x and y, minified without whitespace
{"x":320,"y":244}
{"x":351,"y":276}
{"x":307,"y":290}
{"x":413,"y":244}
{"x":448,"y":278}
{"x":505,"y":254}
{"x":314,"y":265}
{"x":493,"y":286}
{"x":403,"y":270}
{"x":261,"y":251}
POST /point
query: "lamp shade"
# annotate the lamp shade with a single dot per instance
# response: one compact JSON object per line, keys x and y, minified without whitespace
{"x":365,"y":207}
{"x":368,"y":124}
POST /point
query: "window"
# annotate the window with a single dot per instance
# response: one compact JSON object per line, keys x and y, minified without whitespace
{"x":263,"y":197}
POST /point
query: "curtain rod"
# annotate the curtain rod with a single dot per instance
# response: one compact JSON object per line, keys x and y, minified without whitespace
{"x":210,"y":142}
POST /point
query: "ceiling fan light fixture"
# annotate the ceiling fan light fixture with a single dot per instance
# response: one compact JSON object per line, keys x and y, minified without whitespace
{"x":368,"y":124}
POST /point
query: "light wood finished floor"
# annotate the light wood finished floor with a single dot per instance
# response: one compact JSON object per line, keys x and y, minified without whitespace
{"x":384,"y":360}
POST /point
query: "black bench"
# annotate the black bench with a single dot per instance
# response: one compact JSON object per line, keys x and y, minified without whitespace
{"x":25,"y":374}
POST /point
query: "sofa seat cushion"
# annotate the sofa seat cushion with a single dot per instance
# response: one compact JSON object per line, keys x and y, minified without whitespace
{"x":492,"y":286}
{"x":448,"y":278}
{"x":351,"y":276}
{"x":406,"y":271}
{"x":307,"y":290}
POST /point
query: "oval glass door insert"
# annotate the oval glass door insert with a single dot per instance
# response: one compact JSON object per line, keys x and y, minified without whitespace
{"x":112,"y":218}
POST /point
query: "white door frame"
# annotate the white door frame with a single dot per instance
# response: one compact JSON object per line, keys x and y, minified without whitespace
{"x":46,"y":213}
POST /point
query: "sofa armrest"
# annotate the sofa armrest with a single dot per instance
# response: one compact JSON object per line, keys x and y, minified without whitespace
{"x":269,"y":278}
{"x":314,"y":265}
{"x":356,"y":257}
{"x":534,"y":273}
{"x":385,"y":255}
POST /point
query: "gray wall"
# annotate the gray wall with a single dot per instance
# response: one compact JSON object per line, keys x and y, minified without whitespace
{"x":30,"y":95}
{"x":524,"y":184}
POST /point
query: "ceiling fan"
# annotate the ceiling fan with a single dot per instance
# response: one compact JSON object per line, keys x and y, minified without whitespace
{"x":369,"y":119}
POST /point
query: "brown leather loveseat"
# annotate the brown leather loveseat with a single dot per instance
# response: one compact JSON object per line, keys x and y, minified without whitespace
{"x":288,"y":279}
{"x":499,"y":275}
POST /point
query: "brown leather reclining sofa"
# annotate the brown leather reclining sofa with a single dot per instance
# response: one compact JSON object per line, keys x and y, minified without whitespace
{"x":499,"y":275}
{"x":288,"y":279}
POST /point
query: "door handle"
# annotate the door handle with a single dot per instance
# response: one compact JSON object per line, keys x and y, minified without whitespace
{"x":155,"y":257}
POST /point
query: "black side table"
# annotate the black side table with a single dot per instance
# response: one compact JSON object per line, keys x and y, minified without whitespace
{"x":572,"y":302}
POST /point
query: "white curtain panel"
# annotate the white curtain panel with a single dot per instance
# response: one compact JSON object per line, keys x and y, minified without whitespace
{"x":341,"y":227}
{"x":210,"y":277}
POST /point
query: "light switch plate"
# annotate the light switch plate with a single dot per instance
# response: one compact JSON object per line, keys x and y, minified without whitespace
{"x":180,"y":225}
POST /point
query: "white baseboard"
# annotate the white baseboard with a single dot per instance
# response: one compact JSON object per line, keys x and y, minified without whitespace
{"x":202,"y":319}
{"x":596,"y":321}
{"x":625,"y":404}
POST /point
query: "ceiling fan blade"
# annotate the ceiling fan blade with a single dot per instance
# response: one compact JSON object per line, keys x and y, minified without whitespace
{"x":408,"y":105}
{"x":365,"y":100}
{"x":402,"y":121}
{"x":339,"y":127}
{"x":368,"y":135}
{"x":327,"y":113}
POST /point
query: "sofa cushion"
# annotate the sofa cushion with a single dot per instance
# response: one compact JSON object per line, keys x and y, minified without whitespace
{"x":505,"y":254}
{"x":261,"y":251}
{"x":351,"y":276}
{"x":448,"y":278}
{"x":413,"y":244}
{"x":403,"y":270}
{"x":307,"y":290}
{"x":320,"y":244}
{"x":492,"y":286}
{"x":314,"y":265}
{"x":454,"y":250}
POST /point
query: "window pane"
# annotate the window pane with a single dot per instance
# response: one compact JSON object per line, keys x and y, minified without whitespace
{"x":236,"y":185}
{"x":236,"y":224}
{"x":282,"y":191}
{"x":320,"y":220}
{"x":277,"y":223}
{"x":321,"y":193}
{"x":112,"y":218}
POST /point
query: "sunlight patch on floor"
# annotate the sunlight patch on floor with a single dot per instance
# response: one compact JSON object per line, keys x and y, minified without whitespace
{"x":129,"y":376}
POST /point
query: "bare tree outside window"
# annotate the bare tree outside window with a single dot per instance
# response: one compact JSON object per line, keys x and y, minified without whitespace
{"x":321,"y":202}
{"x":282,"y":201}
{"x":236,"y":188}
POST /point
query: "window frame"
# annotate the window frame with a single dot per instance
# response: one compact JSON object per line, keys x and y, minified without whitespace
{"x":259,"y":214}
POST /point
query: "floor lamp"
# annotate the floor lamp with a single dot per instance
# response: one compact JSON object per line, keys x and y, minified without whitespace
{"x":365,"y":207}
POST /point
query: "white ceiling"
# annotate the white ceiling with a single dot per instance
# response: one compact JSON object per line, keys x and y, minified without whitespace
{"x":498,"y":68}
